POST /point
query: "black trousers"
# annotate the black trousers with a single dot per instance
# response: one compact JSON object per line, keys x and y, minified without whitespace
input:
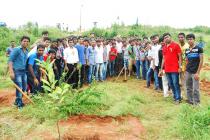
{"x":119,"y":63}
{"x":72,"y":76}
{"x":83,"y":74}
{"x":59,"y":65}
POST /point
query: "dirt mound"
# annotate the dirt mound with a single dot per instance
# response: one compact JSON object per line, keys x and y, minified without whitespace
{"x":92,"y":127}
{"x":7,"y":97}
{"x":205,"y":85}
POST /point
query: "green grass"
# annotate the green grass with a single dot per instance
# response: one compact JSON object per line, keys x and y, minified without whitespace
{"x":161,"y":118}
{"x":5,"y":82}
{"x":194,"y":123}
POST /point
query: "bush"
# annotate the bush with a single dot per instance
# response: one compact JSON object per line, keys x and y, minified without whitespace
{"x":30,"y":29}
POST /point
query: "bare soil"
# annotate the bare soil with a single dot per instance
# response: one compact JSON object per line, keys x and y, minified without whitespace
{"x":91,"y":127}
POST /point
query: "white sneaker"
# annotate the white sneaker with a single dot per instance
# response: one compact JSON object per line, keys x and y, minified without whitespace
{"x":166,"y":95}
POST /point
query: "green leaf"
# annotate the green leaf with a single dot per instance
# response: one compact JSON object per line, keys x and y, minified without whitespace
{"x":46,"y":88}
{"x":45,"y":82}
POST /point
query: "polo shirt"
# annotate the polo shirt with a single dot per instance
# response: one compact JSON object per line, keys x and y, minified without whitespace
{"x":193,"y":57}
{"x":112,"y":57}
{"x":170,"y":54}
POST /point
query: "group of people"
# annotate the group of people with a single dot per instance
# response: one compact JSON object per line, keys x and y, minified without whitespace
{"x":170,"y":65}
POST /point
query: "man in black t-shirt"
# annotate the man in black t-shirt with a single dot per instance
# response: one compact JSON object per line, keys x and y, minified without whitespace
{"x":194,"y":58}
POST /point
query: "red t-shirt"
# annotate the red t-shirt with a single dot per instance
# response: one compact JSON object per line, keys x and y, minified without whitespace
{"x":113,"y":57}
{"x":45,"y":57}
{"x":171,"y":59}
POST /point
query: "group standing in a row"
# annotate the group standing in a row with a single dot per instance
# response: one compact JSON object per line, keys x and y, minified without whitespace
{"x":169,"y":64}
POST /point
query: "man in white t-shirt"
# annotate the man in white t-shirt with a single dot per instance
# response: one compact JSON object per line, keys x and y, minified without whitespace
{"x":155,"y":48}
{"x":119,"y":59}
{"x":108,"y":47}
{"x":154,"y":61}
{"x":99,"y":61}
{"x":71,"y":59}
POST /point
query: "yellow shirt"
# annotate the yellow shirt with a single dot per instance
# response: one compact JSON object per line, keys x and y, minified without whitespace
{"x":183,"y":48}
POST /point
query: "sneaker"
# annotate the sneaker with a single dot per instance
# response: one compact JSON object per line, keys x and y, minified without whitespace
{"x":196,"y":103}
{"x":15,"y":103}
{"x":188,"y":102}
{"x":166,"y":95}
{"x":177,"y":102}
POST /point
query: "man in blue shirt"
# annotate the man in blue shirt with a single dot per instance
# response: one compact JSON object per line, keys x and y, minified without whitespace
{"x":91,"y":55}
{"x":17,"y":68}
{"x":34,"y":73}
{"x":81,"y":52}
{"x":86,"y":45}
{"x":10,"y":48}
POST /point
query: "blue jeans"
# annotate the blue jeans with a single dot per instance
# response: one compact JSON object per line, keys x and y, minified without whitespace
{"x":144,"y":69}
{"x":138,"y":64}
{"x":157,"y":83}
{"x":21,"y":81}
{"x":105,"y":70}
{"x":149,"y":75}
{"x":173,"y":80}
{"x":99,"y":71}
{"x":125,"y":63}
{"x":112,"y":68}
{"x":91,"y":72}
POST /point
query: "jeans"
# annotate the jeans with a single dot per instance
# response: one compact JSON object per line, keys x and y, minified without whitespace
{"x":149,"y":75}
{"x":21,"y":81}
{"x":144,"y":69}
{"x":91,"y":73}
{"x":105,"y":70}
{"x":173,"y":80}
{"x":138,"y":64}
{"x":99,"y":71}
{"x":112,"y":68}
{"x":126,"y":64}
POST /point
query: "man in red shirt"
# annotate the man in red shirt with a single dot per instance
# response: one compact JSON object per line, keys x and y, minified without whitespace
{"x":112,"y":58}
{"x":172,"y":65}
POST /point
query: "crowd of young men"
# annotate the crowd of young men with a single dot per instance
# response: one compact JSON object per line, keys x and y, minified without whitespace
{"x":169,"y":64}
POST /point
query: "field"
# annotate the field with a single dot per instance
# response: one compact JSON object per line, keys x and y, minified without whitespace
{"x":112,"y":110}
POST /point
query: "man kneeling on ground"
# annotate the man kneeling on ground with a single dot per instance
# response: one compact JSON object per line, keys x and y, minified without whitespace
{"x":34,"y":73}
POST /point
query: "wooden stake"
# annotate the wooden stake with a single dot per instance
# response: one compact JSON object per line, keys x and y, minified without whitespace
{"x":24,"y":94}
{"x":119,"y":74}
{"x":125,"y":79}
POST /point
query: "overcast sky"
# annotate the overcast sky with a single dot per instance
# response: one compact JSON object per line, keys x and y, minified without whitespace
{"x":175,"y":13}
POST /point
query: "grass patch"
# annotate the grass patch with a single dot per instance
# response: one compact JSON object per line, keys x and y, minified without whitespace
{"x":194,"y":123}
{"x":93,"y":100}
